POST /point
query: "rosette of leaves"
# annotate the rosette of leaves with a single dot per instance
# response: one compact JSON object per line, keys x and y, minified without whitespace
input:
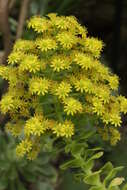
{"x":19,"y":174}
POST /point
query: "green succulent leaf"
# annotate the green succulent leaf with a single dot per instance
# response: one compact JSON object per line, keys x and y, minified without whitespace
{"x":116,"y":182}
{"x":93,"y":179}
{"x":75,"y":163}
{"x":112,"y":174}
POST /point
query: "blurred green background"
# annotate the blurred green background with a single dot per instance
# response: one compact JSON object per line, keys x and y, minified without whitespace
{"x":105,"y":19}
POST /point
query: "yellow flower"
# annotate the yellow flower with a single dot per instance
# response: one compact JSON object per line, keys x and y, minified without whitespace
{"x":15,"y":57}
{"x":123,"y":104}
{"x":61,"y":22}
{"x":15,"y":128}
{"x":84,"y":84}
{"x":81,"y":31}
{"x":113,"y":82}
{"x":72,"y":106}
{"x":4,"y":72}
{"x":112,"y":113}
{"x":72,"y":20}
{"x":38,"y":24}
{"x":30,"y":63}
{"x":63,"y":90}
{"x":106,"y":117}
{"x":93,"y":46}
{"x":102,"y":70}
{"x":34,"y":126}
{"x":115,"y":136}
{"x":84,"y":60}
{"x":98,"y":106}
{"x":24,"y":147}
{"x":65,"y":129}
{"x":66,"y":39}
{"x":59,"y":63}
{"x":115,"y":119}
{"x":39,"y":86}
{"x":7,"y":103}
{"x":46,"y":44}
{"x":52,"y":16}
{"x":16,"y":92}
{"x":13,"y":77}
{"x":24,"y":46}
{"x":103,"y":92}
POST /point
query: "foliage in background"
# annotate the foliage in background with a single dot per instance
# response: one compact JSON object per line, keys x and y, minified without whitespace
{"x":20,"y":174}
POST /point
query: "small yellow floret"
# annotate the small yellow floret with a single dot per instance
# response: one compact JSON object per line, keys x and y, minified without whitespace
{"x":93,"y":46}
{"x":63,"y":90}
{"x":4,"y":72}
{"x":102,"y":70}
{"x":30,"y":63}
{"x":84,"y":84}
{"x":24,"y":147}
{"x":15,"y":128}
{"x":15,"y":57}
{"x":66,"y":39}
{"x":113,"y":82}
{"x":24,"y":45}
{"x":61,"y":22}
{"x":84,"y":60}
{"x":103,"y":92}
{"x":7,"y":103}
{"x":38,"y":24}
{"x":46,"y":44}
{"x":115,"y":136}
{"x":39,"y":86}
{"x":123,"y":104}
{"x":72,"y":106}
{"x":60,"y":63}
{"x":115,"y":119}
{"x":98,"y":106}
{"x":34,"y":126}
{"x":65,"y":129}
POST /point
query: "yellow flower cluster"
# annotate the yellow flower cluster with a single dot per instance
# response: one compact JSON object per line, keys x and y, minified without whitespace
{"x":93,"y":46}
{"x":60,"y":63}
{"x":65,"y":129}
{"x":30,"y":63}
{"x":63,"y":90}
{"x":24,"y":46}
{"x":111,"y":134}
{"x":15,"y":128}
{"x":72,"y":106}
{"x":34,"y":126}
{"x":24,"y":147}
{"x":66,"y":39}
{"x":39,"y":24}
{"x":39,"y":86}
{"x":54,"y":78}
{"x":84,"y":60}
{"x":46,"y":44}
{"x":9,"y":103}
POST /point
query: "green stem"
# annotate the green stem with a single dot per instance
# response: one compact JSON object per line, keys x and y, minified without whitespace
{"x":57,"y":109}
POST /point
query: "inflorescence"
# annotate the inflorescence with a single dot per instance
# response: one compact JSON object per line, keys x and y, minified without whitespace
{"x":60,"y":70}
